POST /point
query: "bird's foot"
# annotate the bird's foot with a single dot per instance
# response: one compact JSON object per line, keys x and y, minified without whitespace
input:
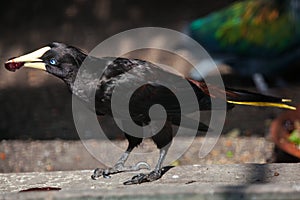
{"x":141,"y":178}
{"x":118,"y":168}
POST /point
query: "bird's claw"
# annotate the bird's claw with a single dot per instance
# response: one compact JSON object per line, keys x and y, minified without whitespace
{"x":142,"y":178}
{"x":99,"y":172}
{"x":137,"y":179}
{"x":118,"y":168}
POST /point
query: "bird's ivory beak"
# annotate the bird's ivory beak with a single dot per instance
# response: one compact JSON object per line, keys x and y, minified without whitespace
{"x":32,"y":60}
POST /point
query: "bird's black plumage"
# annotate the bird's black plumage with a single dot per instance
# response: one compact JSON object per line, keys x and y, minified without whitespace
{"x":67,"y":62}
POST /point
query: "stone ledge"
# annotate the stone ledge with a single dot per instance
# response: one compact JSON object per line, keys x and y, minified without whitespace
{"x":64,"y":155}
{"x":260,"y":181}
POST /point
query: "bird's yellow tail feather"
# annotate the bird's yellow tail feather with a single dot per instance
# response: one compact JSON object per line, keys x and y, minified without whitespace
{"x":266,"y":104}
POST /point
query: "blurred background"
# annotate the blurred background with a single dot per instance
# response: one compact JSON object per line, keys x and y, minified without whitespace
{"x":37,"y":106}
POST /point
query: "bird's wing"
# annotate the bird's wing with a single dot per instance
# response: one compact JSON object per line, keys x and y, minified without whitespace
{"x":149,"y":95}
{"x":150,"y":84}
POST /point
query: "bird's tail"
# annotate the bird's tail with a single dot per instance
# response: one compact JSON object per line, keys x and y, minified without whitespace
{"x":242,"y":97}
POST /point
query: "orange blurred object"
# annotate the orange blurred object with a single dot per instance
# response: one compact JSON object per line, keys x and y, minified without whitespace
{"x":2,"y":156}
{"x":280,"y":131}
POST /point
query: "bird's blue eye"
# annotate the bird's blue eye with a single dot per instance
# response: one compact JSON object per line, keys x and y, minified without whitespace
{"x":52,"y":61}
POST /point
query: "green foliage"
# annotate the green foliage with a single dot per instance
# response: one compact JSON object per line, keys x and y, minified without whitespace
{"x":229,"y":154}
{"x":295,"y":137}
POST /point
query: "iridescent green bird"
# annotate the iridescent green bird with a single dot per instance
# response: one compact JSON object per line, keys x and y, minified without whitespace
{"x":253,"y":36}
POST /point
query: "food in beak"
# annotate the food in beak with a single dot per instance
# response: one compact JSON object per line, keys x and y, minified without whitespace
{"x":13,"y":66}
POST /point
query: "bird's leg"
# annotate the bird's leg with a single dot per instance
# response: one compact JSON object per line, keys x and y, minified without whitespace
{"x":152,"y":176}
{"x":163,"y":141}
{"x":120,"y":167}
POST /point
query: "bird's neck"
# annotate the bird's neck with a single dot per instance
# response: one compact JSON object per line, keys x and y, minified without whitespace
{"x":84,"y":88}
{"x":85,"y":81}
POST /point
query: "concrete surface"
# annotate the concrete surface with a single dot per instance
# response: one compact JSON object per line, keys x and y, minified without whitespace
{"x":250,"y":181}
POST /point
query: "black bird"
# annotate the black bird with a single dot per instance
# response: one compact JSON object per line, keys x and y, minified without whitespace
{"x":64,"y":62}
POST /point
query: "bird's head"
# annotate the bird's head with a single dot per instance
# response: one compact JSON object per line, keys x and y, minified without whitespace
{"x":56,"y":58}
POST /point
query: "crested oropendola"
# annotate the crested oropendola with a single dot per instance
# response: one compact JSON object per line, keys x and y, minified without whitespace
{"x":64,"y":61}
